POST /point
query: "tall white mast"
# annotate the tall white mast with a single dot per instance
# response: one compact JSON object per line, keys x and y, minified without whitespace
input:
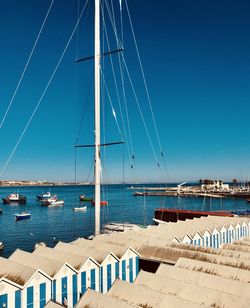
{"x":97,"y":118}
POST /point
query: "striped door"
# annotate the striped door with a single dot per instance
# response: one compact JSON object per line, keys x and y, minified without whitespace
{"x":54,"y":290}
{"x":117,"y":270}
{"x":136,"y":265}
{"x":42,"y":295}
{"x":17,"y":299}
{"x":131,"y":270}
{"x":83,"y":283}
{"x":4,"y":300}
{"x":124,"y":270}
{"x":74,"y":286}
{"x":64,"y":290}
{"x":92,"y":279}
{"x":30,"y":297}
{"x":109,"y":276}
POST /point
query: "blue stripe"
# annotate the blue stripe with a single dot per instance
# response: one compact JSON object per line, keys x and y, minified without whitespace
{"x":4,"y":300}
{"x":92,"y":277}
{"x":124,"y":270}
{"x":74,"y":284}
{"x":42,"y":295}
{"x":64,"y":290}
{"x":17,"y":299}
{"x":54,"y":290}
{"x":83,"y":283}
{"x":109,"y":276}
{"x":137,"y":265}
{"x":131,"y":276}
{"x":117,"y":270}
{"x":101,"y":279}
{"x":30,"y":297}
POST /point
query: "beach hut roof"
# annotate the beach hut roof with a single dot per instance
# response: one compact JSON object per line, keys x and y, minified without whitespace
{"x":13,"y":271}
{"x":99,"y":300}
{"x":74,"y":260}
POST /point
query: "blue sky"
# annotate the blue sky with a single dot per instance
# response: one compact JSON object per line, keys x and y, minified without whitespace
{"x":196,"y":60}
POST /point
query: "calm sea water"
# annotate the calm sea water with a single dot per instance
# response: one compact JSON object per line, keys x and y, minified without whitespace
{"x":64,"y":224}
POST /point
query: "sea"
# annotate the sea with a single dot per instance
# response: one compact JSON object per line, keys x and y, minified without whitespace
{"x":53,"y":224}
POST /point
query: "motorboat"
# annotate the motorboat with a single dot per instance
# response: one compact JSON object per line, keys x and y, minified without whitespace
{"x":53,"y":201}
{"x":86,"y":199}
{"x":22,"y":216}
{"x":102,"y":203}
{"x":1,"y":245}
{"x":14,"y":198}
{"x":1,"y":211}
{"x":44,"y":196}
{"x":80,"y":209}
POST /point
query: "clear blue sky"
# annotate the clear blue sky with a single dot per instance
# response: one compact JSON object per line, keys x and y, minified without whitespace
{"x":196,"y":57}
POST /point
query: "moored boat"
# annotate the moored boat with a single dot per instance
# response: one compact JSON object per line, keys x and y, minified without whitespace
{"x":22,"y":216}
{"x":1,"y":211}
{"x":102,"y":203}
{"x":1,"y":245}
{"x":53,"y":201}
{"x":44,"y":196}
{"x":14,"y":198}
{"x":84,"y":198}
{"x":80,"y":209}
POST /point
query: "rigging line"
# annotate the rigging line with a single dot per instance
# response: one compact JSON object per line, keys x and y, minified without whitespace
{"x":104,"y":82}
{"x":144,"y":79}
{"x":122,"y":75}
{"x":112,"y":107}
{"x":123,"y":124}
{"x":44,"y":92}
{"x":27,"y":64}
{"x":139,"y":107}
{"x":114,"y":76}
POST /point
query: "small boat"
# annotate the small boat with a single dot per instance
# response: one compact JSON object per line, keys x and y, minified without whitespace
{"x":40,"y":244}
{"x":247,"y":200}
{"x":22,"y":216}
{"x":53,"y":201}
{"x":44,"y":196}
{"x":80,"y":209}
{"x":1,"y":211}
{"x":14,"y":198}
{"x":86,"y":199}
{"x":104,"y":202}
{"x":1,"y":245}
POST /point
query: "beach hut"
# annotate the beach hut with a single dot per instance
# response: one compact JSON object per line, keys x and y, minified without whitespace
{"x":237,"y":231}
{"x":231,"y":233}
{"x":187,"y":239}
{"x":108,"y":265}
{"x":10,"y":293}
{"x":197,"y":239}
{"x":207,"y":238}
{"x":128,"y":257}
{"x":65,"y":277}
{"x":85,"y":266}
{"x":244,"y":229}
{"x":223,"y":235}
{"x":23,"y":286}
{"x":216,"y":242}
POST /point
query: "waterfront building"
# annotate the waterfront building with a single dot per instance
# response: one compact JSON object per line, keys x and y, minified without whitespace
{"x":128,"y":257}
{"x":197,"y":239}
{"x":109,"y":265}
{"x":87,"y":269}
{"x":23,"y":286}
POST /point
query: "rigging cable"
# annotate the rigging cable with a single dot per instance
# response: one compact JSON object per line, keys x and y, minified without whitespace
{"x":27,"y":64}
{"x":44,"y":92}
{"x":134,"y":92}
{"x":125,"y":134}
{"x":122,"y":75}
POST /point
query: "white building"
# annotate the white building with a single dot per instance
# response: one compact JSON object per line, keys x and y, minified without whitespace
{"x":23,"y":286}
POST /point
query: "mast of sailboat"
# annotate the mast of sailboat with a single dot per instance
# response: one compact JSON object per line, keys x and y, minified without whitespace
{"x":97,"y":118}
